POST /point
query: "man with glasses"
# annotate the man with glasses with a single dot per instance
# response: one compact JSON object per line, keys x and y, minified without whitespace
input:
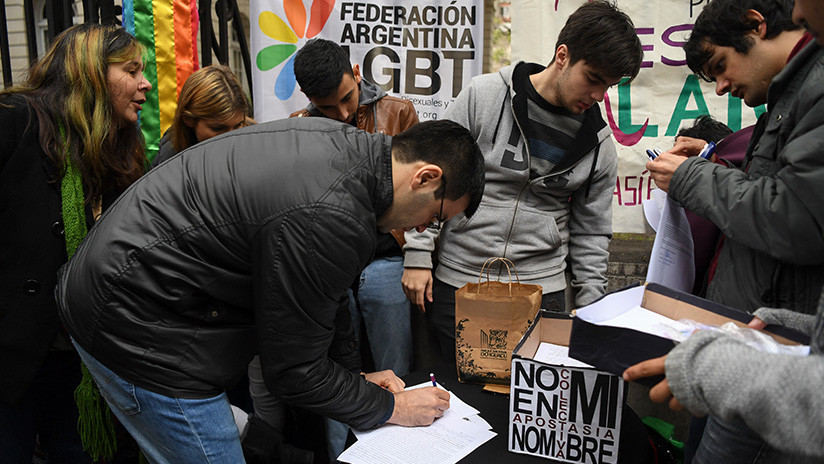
{"x":336,"y":90}
{"x":550,"y":173}
{"x":247,"y":245}
{"x":439,"y":219}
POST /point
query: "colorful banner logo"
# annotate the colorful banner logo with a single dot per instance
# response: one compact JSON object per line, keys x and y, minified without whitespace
{"x":422,"y":51}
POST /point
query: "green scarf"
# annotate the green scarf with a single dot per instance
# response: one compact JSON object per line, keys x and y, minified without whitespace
{"x":95,"y":423}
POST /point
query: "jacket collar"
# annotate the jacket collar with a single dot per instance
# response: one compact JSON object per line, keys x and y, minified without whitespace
{"x":384,"y":189}
{"x":798,"y":65}
{"x":369,"y":93}
{"x":592,"y":128}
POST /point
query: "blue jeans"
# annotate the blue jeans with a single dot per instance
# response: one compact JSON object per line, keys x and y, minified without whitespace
{"x":735,"y":443}
{"x":170,"y":430}
{"x":46,"y":410}
{"x":336,"y":434}
{"x":381,"y":303}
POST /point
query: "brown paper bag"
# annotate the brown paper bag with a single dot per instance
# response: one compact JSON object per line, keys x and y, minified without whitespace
{"x":490,"y":319}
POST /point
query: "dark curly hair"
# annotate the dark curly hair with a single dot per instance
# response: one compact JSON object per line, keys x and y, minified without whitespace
{"x":725,"y":23}
{"x":603,"y":37}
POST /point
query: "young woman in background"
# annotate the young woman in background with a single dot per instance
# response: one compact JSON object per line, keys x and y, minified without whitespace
{"x":211,"y":102}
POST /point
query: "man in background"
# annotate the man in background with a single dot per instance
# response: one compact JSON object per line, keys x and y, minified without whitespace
{"x":337,"y":91}
{"x":771,"y":215}
{"x":550,"y":173}
{"x":704,"y":233}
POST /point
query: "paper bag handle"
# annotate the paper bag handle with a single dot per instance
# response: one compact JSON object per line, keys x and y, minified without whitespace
{"x":488,"y":264}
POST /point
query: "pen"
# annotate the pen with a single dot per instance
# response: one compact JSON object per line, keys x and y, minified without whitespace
{"x":651,"y":154}
{"x":432,"y":377}
{"x":706,"y":152}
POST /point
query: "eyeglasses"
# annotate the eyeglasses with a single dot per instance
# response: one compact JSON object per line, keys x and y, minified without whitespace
{"x":439,"y":219}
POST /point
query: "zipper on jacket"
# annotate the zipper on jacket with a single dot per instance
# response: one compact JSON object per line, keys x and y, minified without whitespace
{"x":531,"y":181}
{"x":523,"y":187}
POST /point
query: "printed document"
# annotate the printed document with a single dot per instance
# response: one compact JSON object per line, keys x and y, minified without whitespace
{"x":449,"y":439}
{"x":672,"y":261}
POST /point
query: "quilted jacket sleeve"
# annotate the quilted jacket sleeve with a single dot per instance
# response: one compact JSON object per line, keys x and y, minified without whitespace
{"x":778,"y":214}
{"x":301,"y":267}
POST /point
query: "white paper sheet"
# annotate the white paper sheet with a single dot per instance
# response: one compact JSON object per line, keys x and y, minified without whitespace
{"x":611,"y":305}
{"x":447,"y":440}
{"x":442,"y":442}
{"x":558,"y":355}
{"x":672,"y":261}
{"x":642,"y":320}
{"x":653,"y":207}
{"x":479,"y":421}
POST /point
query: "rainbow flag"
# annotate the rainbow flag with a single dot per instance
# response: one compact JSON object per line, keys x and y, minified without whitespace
{"x":168,"y":30}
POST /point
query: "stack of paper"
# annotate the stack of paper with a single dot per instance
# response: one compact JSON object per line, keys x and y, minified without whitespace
{"x":447,"y":440}
{"x":557,"y":355}
{"x":672,"y":260}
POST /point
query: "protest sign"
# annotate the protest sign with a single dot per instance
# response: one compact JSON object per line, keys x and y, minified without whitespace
{"x":562,"y":412}
{"x":421,"y":51}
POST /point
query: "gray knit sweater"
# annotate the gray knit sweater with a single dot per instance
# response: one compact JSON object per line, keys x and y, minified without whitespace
{"x":776,"y":395}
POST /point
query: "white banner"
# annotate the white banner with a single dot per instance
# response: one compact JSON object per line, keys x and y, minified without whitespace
{"x":423,"y":51}
{"x":648,"y":112}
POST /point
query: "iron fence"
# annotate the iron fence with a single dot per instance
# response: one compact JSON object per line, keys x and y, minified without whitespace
{"x":59,"y":17}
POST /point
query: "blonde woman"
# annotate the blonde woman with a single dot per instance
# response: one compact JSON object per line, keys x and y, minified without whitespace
{"x":211,"y":102}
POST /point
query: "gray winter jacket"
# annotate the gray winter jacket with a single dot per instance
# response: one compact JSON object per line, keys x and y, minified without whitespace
{"x":238,"y":246}
{"x":537,"y":223}
{"x":778,"y":396}
{"x":772,"y":213}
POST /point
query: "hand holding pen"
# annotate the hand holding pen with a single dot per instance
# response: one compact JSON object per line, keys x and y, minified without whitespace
{"x":707,"y":151}
{"x":654,"y":153}
{"x":662,"y":166}
{"x":688,"y":146}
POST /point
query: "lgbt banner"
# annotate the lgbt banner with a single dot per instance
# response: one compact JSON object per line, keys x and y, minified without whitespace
{"x":423,"y":51}
{"x":168,"y":30}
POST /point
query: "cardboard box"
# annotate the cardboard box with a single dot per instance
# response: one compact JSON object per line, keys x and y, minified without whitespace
{"x":614,"y":349}
{"x":568,"y":414}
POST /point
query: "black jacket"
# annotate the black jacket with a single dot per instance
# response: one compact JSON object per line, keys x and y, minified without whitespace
{"x":245,"y":243}
{"x":32,"y":248}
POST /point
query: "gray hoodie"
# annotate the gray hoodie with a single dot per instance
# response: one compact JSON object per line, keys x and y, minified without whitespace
{"x":537,"y":223}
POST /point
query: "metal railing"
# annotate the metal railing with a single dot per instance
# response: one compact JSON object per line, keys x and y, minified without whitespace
{"x":59,"y":17}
